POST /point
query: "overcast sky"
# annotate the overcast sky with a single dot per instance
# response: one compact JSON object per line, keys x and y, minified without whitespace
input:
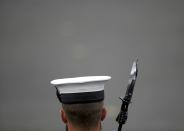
{"x":41,"y":40}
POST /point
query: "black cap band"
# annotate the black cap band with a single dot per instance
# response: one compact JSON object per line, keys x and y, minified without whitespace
{"x":85,"y":97}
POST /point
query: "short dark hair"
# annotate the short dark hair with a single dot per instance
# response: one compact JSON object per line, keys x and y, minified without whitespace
{"x":84,"y":116}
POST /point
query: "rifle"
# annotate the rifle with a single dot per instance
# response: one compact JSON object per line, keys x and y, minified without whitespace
{"x":123,"y":114}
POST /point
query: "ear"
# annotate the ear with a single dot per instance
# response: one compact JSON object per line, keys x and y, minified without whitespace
{"x":103,"y":113}
{"x":63,"y":116}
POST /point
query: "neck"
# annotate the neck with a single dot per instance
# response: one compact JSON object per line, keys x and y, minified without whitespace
{"x":72,"y":128}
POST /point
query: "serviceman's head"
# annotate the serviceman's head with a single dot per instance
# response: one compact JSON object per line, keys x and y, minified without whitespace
{"x":82,"y":102}
{"x":83,"y":116}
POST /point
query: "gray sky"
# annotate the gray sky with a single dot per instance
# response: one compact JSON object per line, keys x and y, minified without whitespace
{"x":42,"y":40}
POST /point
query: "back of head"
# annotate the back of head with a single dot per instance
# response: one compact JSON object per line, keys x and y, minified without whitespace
{"x":84,"y":116}
{"x":82,"y":101}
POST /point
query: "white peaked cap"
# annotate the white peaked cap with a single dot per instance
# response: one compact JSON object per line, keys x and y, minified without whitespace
{"x":80,"y":89}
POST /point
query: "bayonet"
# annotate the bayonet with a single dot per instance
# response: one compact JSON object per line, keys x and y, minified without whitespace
{"x":123,"y":114}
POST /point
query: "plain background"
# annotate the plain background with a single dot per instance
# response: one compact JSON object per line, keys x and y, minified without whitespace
{"x":41,"y":40}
